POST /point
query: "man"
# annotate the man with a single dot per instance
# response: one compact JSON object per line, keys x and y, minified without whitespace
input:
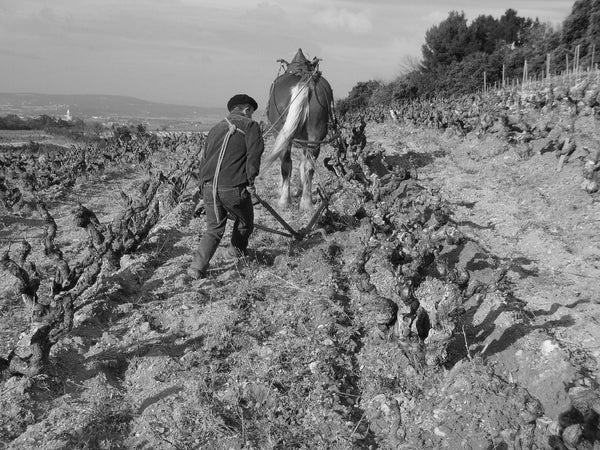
{"x":229,"y":166}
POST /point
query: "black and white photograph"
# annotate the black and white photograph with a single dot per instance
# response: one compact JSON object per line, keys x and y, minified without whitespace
{"x":308,"y":224}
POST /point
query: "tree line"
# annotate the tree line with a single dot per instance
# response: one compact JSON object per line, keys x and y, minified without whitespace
{"x":457,"y":55}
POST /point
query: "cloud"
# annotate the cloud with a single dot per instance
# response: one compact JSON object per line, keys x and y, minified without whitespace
{"x":343,"y":19}
{"x":198,"y":51}
{"x":17,"y":54}
{"x":435,"y":17}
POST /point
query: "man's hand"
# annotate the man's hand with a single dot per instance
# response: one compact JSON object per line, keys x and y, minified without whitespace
{"x":251,"y":190}
{"x":200,"y":209}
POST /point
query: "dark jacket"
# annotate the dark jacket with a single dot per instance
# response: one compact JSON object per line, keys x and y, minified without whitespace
{"x":241,"y":162}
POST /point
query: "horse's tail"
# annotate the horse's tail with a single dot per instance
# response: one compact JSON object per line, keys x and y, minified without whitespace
{"x":296,"y":117}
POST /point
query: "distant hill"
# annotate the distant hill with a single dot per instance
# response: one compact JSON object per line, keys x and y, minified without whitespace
{"x":103,"y":106}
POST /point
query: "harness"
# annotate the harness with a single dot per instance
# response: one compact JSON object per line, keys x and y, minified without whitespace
{"x":232,"y":129}
{"x":306,"y":77}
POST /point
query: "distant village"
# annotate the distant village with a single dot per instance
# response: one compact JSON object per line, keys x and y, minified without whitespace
{"x":21,"y":129}
{"x":105,"y":127}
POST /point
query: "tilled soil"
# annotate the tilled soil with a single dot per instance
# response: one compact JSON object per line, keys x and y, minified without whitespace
{"x":284,"y":350}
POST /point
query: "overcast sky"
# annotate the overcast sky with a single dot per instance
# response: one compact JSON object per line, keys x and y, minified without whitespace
{"x":201,"y":52}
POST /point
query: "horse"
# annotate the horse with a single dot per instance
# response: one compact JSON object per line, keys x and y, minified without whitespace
{"x":300,"y":105}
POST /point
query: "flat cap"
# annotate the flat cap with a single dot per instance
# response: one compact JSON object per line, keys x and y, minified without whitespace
{"x":241,"y":99}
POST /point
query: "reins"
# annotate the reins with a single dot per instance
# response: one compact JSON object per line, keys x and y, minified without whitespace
{"x":232,"y":129}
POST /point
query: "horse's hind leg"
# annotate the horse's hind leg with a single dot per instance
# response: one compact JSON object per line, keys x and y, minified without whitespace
{"x":286,"y":175}
{"x":306,"y":175}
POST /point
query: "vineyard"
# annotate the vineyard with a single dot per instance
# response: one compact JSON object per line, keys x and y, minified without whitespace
{"x":449,"y":303}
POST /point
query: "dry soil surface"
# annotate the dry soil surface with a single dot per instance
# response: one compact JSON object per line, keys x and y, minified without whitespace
{"x":271,"y":352}
{"x":525,"y":212}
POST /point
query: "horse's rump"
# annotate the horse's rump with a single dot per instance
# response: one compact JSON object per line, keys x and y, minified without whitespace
{"x":320,"y":98}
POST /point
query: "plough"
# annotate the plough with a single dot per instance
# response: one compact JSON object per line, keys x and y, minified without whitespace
{"x":302,"y":233}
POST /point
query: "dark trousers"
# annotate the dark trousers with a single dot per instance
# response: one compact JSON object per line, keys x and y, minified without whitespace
{"x":235,"y":201}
